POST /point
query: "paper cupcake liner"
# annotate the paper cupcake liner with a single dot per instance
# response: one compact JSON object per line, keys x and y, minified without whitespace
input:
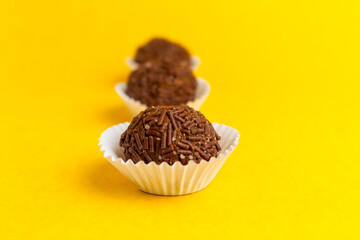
{"x":135,"y":107}
{"x":195,"y":63}
{"x":165,"y":179}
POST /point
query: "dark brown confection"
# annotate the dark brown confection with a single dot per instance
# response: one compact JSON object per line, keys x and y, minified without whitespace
{"x":160,"y":83}
{"x":170,"y":134}
{"x":159,"y":48}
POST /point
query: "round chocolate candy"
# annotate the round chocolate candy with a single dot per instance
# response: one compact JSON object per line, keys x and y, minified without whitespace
{"x":161,"y":83}
{"x":159,"y":48}
{"x":170,"y":134}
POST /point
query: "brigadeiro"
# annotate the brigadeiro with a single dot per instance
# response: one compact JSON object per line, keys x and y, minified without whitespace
{"x":169,"y":134}
{"x":159,"y":48}
{"x":162,"y":83}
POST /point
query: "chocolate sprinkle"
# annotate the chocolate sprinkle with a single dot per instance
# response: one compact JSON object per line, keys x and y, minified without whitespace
{"x":210,"y":144}
{"x":186,"y":152}
{"x":167,"y":150}
{"x":158,"y":143}
{"x":162,"y":116}
{"x":153,"y":132}
{"x":187,"y":123}
{"x":151,"y":143}
{"x":169,"y":155}
{"x":127,"y":136}
{"x":207,"y":129}
{"x":152,"y":123}
{"x":182,"y":114}
{"x":190,"y":126}
{"x":195,"y":138}
{"x":188,"y":143}
{"x":179,"y":118}
{"x":197,"y":130}
{"x":169,"y":140}
{"x":163,"y":140}
{"x":134,"y":154}
{"x":187,"y":132}
{"x":178,"y":111}
{"x":148,"y":119}
{"x":178,"y":124}
{"x":136,"y":122}
{"x":197,"y":155}
{"x":146,"y":143}
{"x":182,"y":145}
{"x":218,"y":146}
{"x":138,"y":142}
{"x":147,"y":157}
{"x":204,"y":155}
{"x":175,"y":126}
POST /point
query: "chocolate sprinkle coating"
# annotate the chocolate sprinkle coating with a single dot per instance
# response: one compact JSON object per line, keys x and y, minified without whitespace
{"x":161,"y":83}
{"x":161,"y":49}
{"x":169,"y":140}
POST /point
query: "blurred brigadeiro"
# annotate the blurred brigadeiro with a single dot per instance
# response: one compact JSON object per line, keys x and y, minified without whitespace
{"x":159,"y":48}
{"x":162,"y":83}
{"x":170,"y":134}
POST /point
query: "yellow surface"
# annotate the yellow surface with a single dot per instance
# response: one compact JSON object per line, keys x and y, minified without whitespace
{"x":284,"y":73}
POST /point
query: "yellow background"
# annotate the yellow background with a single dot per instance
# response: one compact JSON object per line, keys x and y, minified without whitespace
{"x":284,"y":73}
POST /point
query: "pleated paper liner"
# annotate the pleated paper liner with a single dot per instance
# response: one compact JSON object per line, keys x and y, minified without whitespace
{"x":135,"y":107}
{"x":195,"y":63}
{"x":165,"y":179}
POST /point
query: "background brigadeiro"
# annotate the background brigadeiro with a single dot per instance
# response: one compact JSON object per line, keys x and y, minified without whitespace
{"x":162,"y":75}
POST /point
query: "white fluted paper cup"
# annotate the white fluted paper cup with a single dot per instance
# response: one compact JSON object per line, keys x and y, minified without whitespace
{"x":165,"y":179}
{"x":135,"y":106}
{"x":194,"y":63}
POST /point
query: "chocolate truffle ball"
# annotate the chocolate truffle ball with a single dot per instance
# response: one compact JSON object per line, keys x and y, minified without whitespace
{"x":170,"y":134}
{"x":161,"y":83}
{"x":159,"y":48}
